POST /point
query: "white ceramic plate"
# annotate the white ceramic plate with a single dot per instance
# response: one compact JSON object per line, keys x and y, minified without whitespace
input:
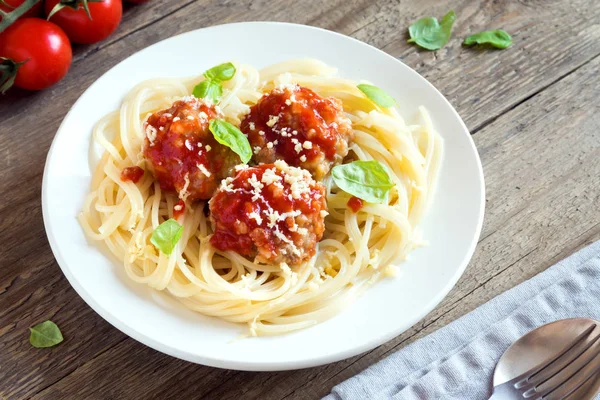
{"x":452,"y":225}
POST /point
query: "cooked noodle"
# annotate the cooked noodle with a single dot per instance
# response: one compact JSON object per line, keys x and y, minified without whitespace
{"x":357,"y":249}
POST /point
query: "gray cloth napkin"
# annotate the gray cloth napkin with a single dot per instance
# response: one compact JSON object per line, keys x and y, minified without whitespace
{"x":458,"y":360}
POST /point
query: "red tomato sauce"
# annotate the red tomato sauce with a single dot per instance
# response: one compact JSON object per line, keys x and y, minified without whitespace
{"x":179,"y":149}
{"x":133,"y":174}
{"x":178,"y":209}
{"x":309,"y":114}
{"x":355,"y":204}
{"x":238,"y":232}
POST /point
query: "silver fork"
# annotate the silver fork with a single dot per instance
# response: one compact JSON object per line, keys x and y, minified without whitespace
{"x":561,"y":375}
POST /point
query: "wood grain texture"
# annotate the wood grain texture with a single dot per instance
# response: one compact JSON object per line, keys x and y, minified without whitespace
{"x":535,"y":113}
{"x":551,"y":212}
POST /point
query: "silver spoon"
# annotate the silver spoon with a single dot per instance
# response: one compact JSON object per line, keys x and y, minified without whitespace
{"x":555,"y":361}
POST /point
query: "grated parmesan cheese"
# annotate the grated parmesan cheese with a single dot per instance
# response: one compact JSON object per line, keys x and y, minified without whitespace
{"x":255,"y":183}
{"x":256,"y":216}
{"x":272,"y":121}
{"x":151,"y":134}
{"x":269,"y":176}
{"x":203,"y":169}
{"x":183,"y":193}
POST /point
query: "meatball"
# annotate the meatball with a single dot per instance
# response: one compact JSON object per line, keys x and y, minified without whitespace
{"x":297,"y":125}
{"x":182,"y":153}
{"x":272,"y":212}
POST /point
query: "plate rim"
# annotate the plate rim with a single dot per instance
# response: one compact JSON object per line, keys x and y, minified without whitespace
{"x":367,"y":345}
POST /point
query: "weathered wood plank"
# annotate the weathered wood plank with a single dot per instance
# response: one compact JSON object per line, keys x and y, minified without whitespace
{"x":542,"y":161}
{"x":24,"y":140}
{"x":548,"y":43}
{"x":482,"y":84}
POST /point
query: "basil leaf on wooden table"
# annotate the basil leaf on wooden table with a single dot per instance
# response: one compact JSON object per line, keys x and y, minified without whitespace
{"x":46,"y":334}
{"x":222,"y":72}
{"x":377,"y":95}
{"x":166,"y":236}
{"x":496,"y":38}
{"x":429,"y":33}
{"x":208,"y":89}
{"x":230,"y":136}
{"x":367,"y":180}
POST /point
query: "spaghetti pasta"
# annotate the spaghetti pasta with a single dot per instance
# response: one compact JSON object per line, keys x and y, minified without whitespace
{"x":356,"y":251}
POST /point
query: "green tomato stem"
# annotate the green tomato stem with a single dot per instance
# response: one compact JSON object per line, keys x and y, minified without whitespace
{"x":9,"y":18}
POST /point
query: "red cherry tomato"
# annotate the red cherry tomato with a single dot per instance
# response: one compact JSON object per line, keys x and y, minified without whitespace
{"x":43,"y":45}
{"x":34,"y":11}
{"x":106,"y":16}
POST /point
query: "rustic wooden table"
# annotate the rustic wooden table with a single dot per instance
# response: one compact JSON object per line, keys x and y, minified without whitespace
{"x":533,"y":110}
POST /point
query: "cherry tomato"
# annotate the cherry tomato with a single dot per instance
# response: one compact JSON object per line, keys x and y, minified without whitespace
{"x":43,"y":45}
{"x":106,"y":16}
{"x":34,"y":11}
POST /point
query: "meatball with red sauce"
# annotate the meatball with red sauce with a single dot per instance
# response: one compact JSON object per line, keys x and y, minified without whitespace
{"x":182,"y":153}
{"x":297,"y":125}
{"x":273,"y":213}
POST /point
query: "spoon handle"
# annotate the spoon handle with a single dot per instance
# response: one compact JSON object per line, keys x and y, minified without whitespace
{"x":503,"y":392}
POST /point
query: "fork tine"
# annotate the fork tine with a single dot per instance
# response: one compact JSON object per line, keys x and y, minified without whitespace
{"x":579,"y":371}
{"x":582,"y":382}
{"x":562,"y":359}
{"x":576,"y":382}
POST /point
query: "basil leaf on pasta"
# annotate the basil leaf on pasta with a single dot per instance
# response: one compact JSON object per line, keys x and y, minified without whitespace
{"x":208,"y":89}
{"x":166,"y":236}
{"x":377,"y":95}
{"x":429,"y":33}
{"x":497,"y":38}
{"x":367,"y":180}
{"x":46,"y":334}
{"x":222,"y":72}
{"x":230,"y":136}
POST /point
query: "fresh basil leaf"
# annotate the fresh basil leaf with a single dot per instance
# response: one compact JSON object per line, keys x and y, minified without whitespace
{"x":208,"y":89}
{"x":232,"y":137}
{"x":377,"y":95}
{"x":367,"y":180}
{"x":497,"y":38}
{"x":46,"y":334}
{"x":431,"y":34}
{"x":166,"y":236}
{"x":222,"y":72}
